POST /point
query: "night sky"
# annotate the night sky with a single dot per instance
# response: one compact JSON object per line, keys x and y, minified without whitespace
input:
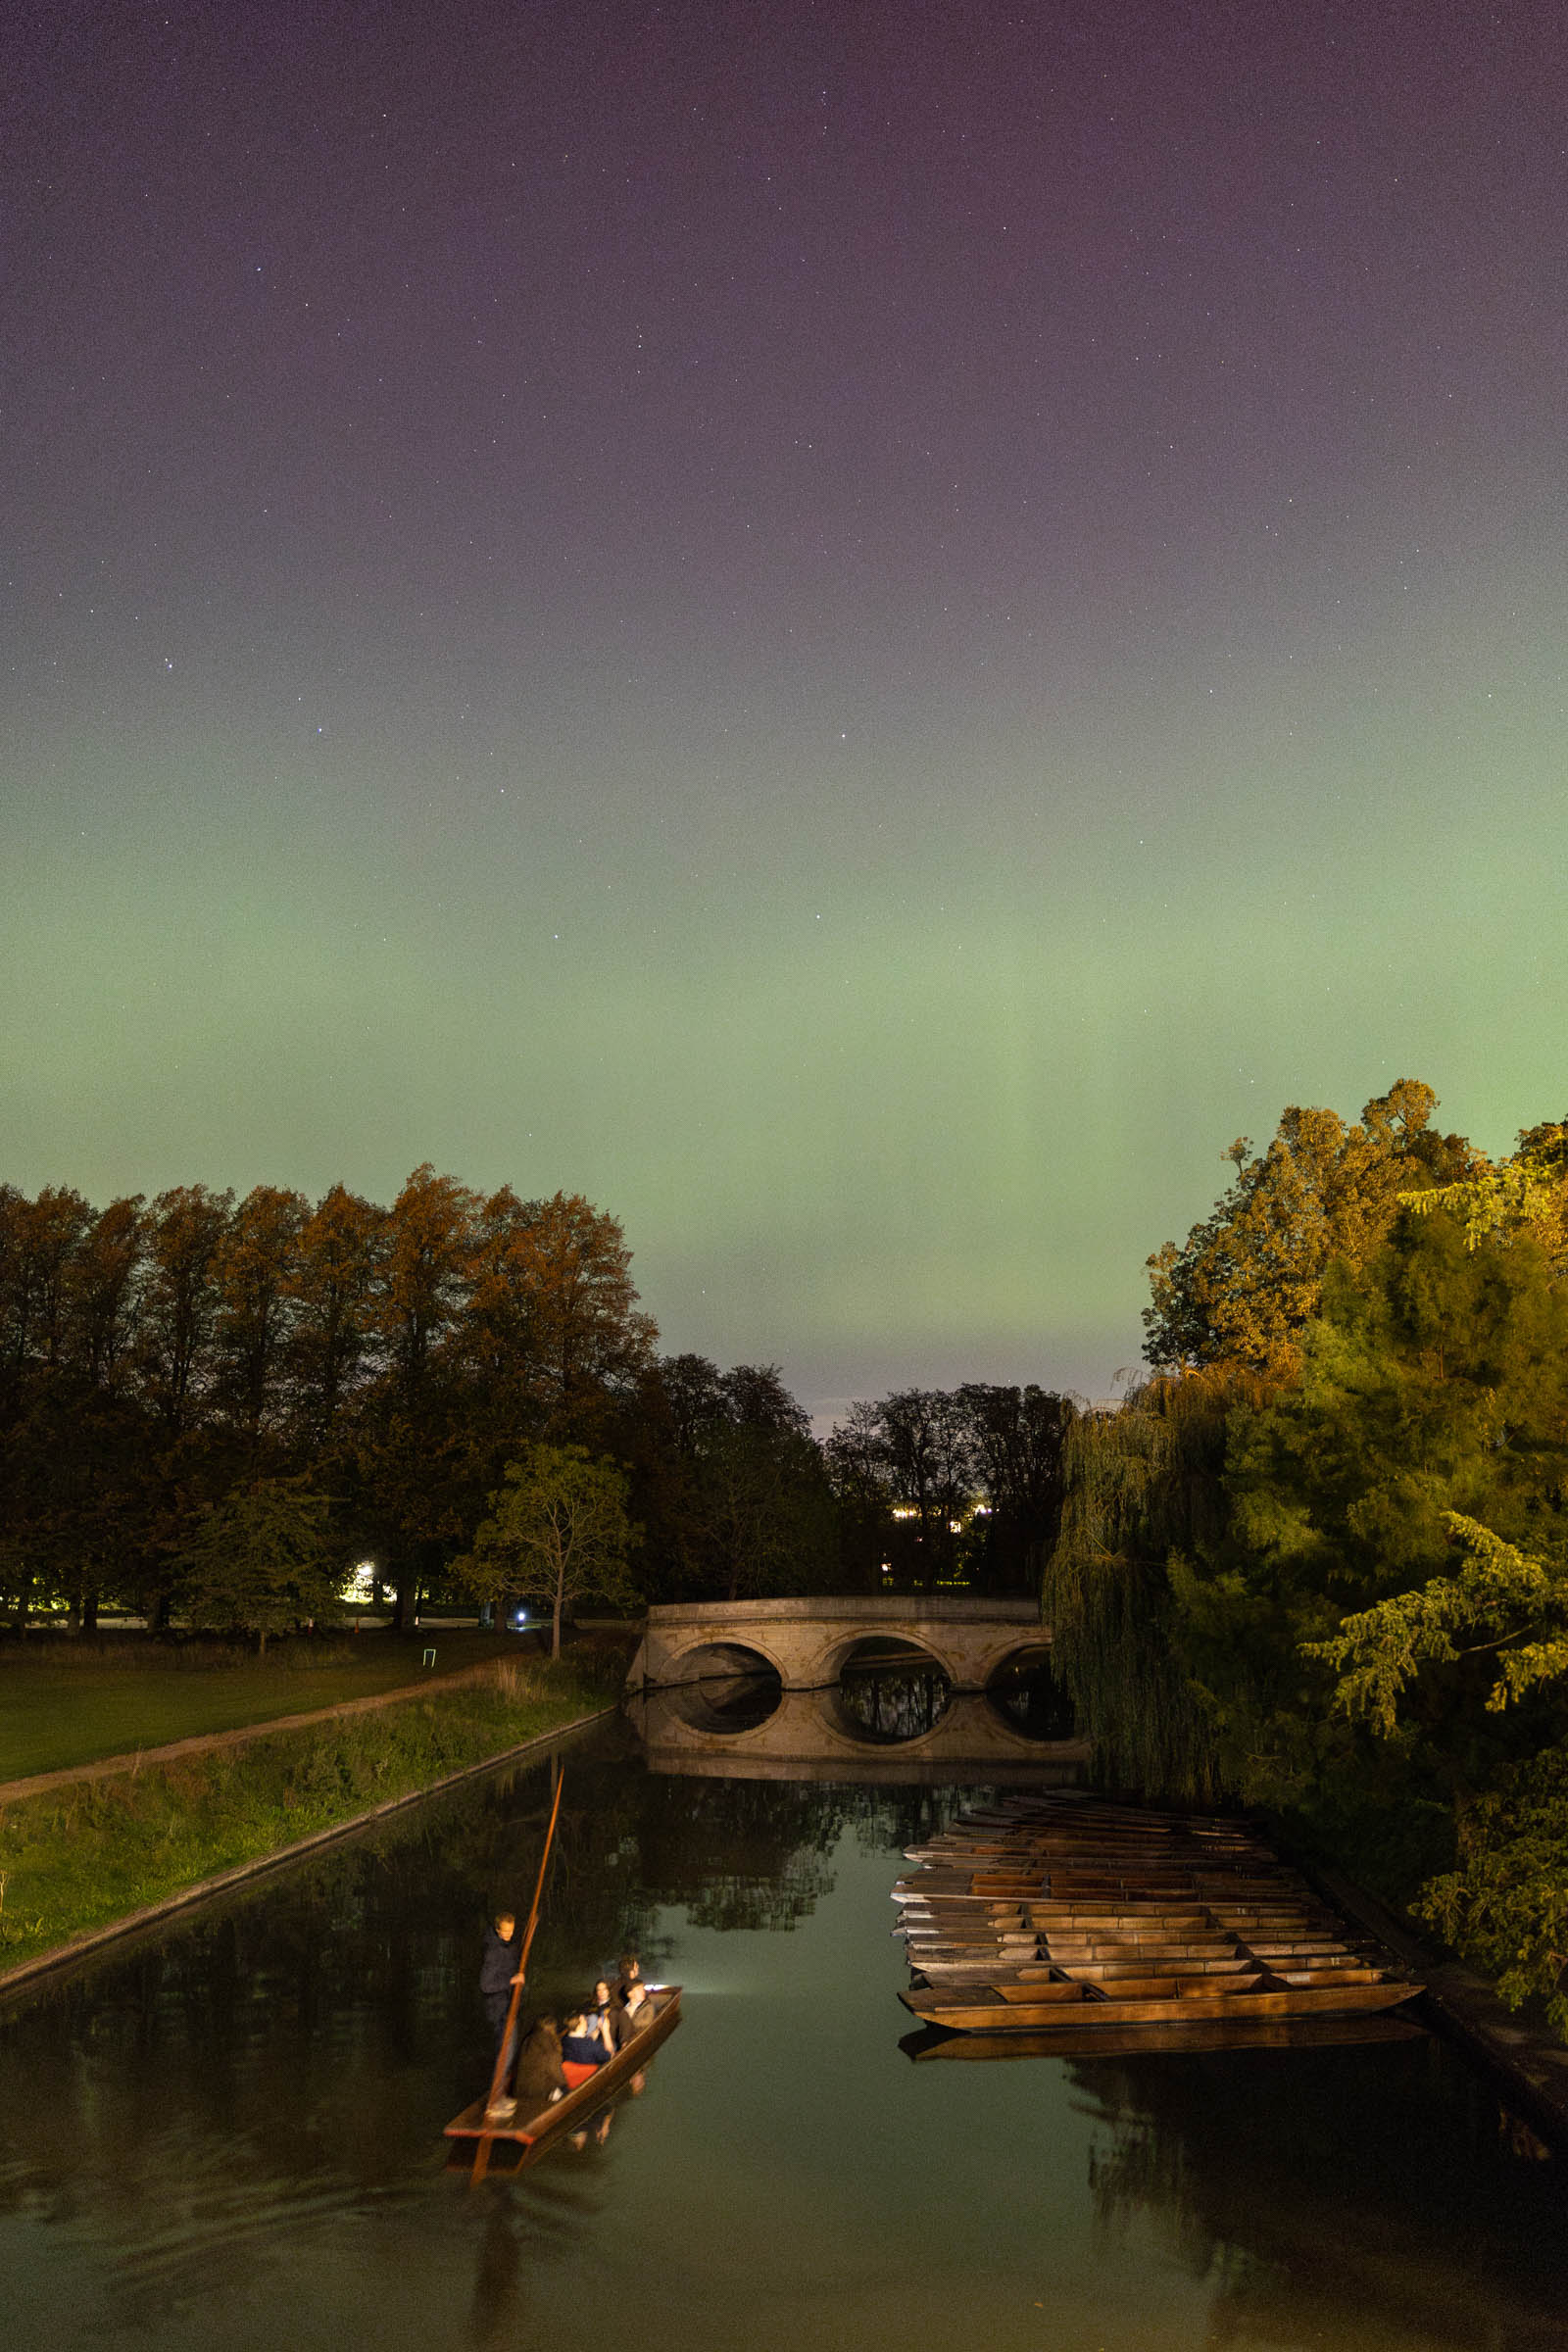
{"x":859,"y":630}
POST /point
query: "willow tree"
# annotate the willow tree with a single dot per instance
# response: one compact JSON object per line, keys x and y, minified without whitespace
{"x":1142,"y":1488}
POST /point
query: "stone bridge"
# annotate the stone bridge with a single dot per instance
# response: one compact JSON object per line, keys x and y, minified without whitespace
{"x":808,"y":1642}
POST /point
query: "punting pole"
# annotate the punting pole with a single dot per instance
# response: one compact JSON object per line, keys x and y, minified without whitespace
{"x":481,"y":2154}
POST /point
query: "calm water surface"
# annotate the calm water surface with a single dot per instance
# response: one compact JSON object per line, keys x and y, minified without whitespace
{"x":231,"y":2137}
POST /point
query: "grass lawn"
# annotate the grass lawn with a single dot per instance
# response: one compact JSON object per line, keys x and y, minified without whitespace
{"x":59,"y":1707}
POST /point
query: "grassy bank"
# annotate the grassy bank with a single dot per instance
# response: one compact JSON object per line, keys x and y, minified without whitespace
{"x":84,"y":1856}
{"x":64,"y":1702}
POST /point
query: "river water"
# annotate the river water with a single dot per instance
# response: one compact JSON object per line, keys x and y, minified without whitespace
{"x":229,"y":2138}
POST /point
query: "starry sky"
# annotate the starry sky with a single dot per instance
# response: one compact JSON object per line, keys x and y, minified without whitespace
{"x":862,"y":630}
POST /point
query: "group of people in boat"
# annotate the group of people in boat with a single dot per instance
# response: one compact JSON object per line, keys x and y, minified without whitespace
{"x":556,"y":2055}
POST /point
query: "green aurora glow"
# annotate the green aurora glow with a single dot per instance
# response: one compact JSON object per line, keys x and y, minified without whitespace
{"x":865,"y":676}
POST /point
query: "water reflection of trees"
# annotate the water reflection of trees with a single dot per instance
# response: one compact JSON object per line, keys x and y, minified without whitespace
{"x":1033,"y":1701}
{"x":1283,"y":2180}
{"x":890,"y":1702}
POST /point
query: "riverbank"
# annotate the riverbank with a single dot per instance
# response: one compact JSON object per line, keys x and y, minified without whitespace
{"x":1518,"y":2047}
{"x":92,"y":1859}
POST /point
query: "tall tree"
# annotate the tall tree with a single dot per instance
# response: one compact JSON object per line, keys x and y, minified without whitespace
{"x":926,"y":1445}
{"x":1436,"y":1382}
{"x":558,"y":1531}
{"x":692,"y":1390}
{"x":861,"y":1480}
{"x":1527,"y":1192}
{"x":257,"y":1268}
{"x":336,"y":1283}
{"x":755,"y":1397}
{"x":410,"y":1445}
{"x":103,"y":1294}
{"x":427,"y":1273}
{"x":587,"y":1336}
{"x":763,"y":1511}
{"x":1017,"y":1439}
{"x":184,"y":1230}
{"x":1243,"y":1282}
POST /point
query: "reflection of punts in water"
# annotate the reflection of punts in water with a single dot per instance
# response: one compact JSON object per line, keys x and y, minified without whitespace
{"x":1066,"y":1914}
{"x":531,"y":2133}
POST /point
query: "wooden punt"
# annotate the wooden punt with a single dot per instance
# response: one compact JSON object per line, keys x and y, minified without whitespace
{"x":1169,"y":2035}
{"x":969,"y":1972}
{"x":1147,"y":1988}
{"x":1154,"y":1911}
{"x":1319,"y":1975}
{"x":1148,"y":1917}
{"x":531,"y":2132}
{"x":1140,"y":1955}
{"x":960,"y":1938}
{"x":1112,"y":1972}
{"x":956,"y":1921}
{"x":1052,"y":1992}
{"x":1317,"y":1947}
{"x":969,"y":2017}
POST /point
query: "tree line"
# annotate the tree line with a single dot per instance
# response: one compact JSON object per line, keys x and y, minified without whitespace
{"x":1319,"y":1557}
{"x":211,"y":1406}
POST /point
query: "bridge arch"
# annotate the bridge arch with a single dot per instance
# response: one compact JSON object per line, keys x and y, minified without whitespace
{"x":871,"y":1647}
{"x":702,"y":1658}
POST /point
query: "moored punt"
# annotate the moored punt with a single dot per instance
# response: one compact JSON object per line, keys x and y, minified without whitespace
{"x":1112,"y":1947}
{"x":1112,"y":1972}
{"x":1072,"y":2039}
{"x":971,"y":2016}
{"x":1066,"y":1908}
{"x":1145,"y":1988}
{"x":532,"y":2132}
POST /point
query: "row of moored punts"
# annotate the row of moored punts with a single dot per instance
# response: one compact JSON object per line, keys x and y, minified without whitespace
{"x":1071,"y":1911}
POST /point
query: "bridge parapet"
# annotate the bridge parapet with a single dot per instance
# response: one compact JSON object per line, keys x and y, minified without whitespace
{"x":807,"y":1640}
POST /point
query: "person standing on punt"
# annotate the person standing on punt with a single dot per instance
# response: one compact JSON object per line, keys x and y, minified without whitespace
{"x":499,"y":1972}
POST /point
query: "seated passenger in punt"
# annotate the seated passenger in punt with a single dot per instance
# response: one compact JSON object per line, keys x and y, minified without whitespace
{"x":539,"y":2078}
{"x":630,"y":1974}
{"x":637,"y":2012}
{"x":582,"y":2047}
{"x":606,"y":2018}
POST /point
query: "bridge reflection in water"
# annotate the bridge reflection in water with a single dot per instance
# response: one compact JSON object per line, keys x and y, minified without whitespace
{"x":895,"y":1719}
